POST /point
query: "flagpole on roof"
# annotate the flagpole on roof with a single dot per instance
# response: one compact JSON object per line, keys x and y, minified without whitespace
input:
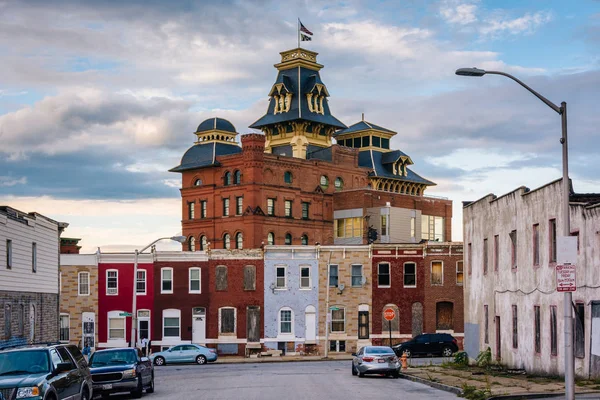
{"x":298,"y":32}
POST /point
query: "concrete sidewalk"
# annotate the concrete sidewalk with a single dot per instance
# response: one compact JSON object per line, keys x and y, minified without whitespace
{"x":496,"y":384}
{"x":271,"y":359}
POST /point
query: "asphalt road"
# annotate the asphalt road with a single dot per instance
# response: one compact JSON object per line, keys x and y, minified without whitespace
{"x":330,"y":380}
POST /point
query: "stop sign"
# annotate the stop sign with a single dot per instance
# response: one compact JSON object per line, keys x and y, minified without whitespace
{"x":389,"y":314}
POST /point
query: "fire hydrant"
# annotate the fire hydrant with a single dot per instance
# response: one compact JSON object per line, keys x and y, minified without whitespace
{"x":403,"y":360}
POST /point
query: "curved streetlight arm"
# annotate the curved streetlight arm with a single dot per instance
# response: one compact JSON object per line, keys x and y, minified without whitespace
{"x":536,"y":94}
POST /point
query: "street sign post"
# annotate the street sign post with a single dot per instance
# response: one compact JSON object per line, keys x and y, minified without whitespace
{"x":389,"y":314}
{"x":566,"y":278}
{"x":125,"y":314}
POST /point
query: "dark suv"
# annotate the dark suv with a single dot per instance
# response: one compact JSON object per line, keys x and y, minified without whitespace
{"x":49,"y":372}
{"x":428,"y":343}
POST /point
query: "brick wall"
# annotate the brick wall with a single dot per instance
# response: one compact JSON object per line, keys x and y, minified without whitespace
{"x":19,"y":306}
{"x":449,"y":291}
{"x":73,"y":304}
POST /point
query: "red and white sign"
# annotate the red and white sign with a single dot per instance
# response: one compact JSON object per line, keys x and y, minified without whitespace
{"x":566,"y":278}
{"x":389,"y":314}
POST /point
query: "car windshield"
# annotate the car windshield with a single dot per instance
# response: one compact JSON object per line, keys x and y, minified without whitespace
{"x":113,"y":357}
{"x":379,"y":350}
{"x":24,"y":362}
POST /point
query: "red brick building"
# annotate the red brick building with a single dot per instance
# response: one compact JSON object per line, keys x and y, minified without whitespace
{"x":236,"y":293}
{"x":293,"y":185}
{"x":423,"y":285}
{"x":181,"y":299}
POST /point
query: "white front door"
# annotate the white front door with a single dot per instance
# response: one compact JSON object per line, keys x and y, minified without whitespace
{"x":310,"y":317}
{"x":199,"y":325}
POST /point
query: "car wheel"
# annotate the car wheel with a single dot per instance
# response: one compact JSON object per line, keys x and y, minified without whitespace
{"x":360,"y":374}
{"x":159,"y":361}
{"x":395,"y":375}
{"x":200,"y":360}
{"x":354,"y":372}
{"x":151,"y":387}
{"x":447,"y":352}
{"x":407,"y":352}
{"x":137,"y":393}
{"x":85,"y":395}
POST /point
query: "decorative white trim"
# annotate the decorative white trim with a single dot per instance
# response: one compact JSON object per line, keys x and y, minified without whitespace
{"x":171,"y":313}
{"x":181,"y":256}
{"x":161,"y":281}
{"x":125,"y":258}
{"x":190,"y":280}
{"x":79,"y":283}
{"x":145,"y":282}
{"x":116,"y":293}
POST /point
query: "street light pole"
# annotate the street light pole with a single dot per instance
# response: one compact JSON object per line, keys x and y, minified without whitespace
{"x":566,"y":189}
{"x":180,"y":239}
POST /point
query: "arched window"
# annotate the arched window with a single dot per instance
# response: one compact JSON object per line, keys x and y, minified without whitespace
{"x":203,"y":243}
{"x":239,"y":240}
{"x":237,"y":177}
{"x":192,"y":243}
{"x":339,"y":183}
{"x":226,"y":241}
{"x":324,"y":181}
{"x":198,"y":182}
{"x":288,"y":238}
{"x":287,"y":177}
{"x":271,"y":238}
{"x":304,"y":240}
{"x":227,"y":178}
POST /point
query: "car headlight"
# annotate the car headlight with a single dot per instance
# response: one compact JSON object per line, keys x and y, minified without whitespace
{"x":130,"y":373}
{"x":25,"y":392}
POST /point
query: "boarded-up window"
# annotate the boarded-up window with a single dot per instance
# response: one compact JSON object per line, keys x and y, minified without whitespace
{"x":513,"y":249}
{"x":444,"y":315}
{"x":395,"y":322}
{"x":485,"y":256}
{"x":553,"y":332}
{"x":221,"y":277}
{"x":249,"y":277}
{"x":537,"y":325}
{"x":515,"y":327}
{"x":227,"y":320}
{"x":363,"y":324}
{"x":437,"y":273}
{"x":536,"y":244}
{"x":486,"y":327}
{"x":417,"y":319}
{"x":253,"y":323}
{"x":579,"y":331}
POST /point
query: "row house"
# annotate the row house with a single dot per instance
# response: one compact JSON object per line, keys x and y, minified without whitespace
{"x":78,"y":299}
{"x":29,"y":279}
{"x":291,"y":297}
{"x":510,"y":287}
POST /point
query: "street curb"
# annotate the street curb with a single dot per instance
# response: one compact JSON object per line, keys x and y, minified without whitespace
{"x":440,"y":386}
{"x":271,"y":360}
{"x":541,"y":396}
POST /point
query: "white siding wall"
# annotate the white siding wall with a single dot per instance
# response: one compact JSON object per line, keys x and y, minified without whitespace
{"x":20,"y":277}
{"x":527,"y":286}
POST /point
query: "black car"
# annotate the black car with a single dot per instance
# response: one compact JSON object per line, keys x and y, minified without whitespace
{"x":48,"y":372}
{"x":428,"y":343}
{"x":121,"y":370}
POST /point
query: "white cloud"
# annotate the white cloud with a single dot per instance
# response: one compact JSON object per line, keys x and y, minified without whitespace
{"x":499,"y":25}
{"x":474,"y":159}
{"x":7,"y":181}
{"x":458,"y":13}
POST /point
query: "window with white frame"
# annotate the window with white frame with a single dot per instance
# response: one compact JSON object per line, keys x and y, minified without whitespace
{"x":166,"y":280}
{"x":281,"y":279}
{"x":227,"y":320}
{"x":383,"y":275}
{"x":63,"y":334}
{"x":437,"y":273}
{"x":171,"y":323}
{"x":116,"y":326}
{"x":357,"y":275}
{"x":305,"y":277}
{"x":285,"y":321}
{"x":112,"y":282}
{"x":194,"y":280}
{"x":83,"y":284}
{"x":410,"y":274}
{"x":140,"y":282}
{"x":338,"y":319}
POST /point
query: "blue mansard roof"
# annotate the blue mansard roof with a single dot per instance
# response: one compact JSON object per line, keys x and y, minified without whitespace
{"x":293,"y":79}
{"x":216,"y":123}
{"x":362,"y":126}
{"x":203,"y":155}
{"x":377,"y":160}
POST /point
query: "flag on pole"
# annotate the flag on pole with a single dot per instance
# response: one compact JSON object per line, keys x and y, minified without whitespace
{"x":305,"y":38}
{"x":303,"y":29}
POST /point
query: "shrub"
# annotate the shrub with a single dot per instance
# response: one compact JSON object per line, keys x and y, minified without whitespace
{"x":461,"y":359}
{"x":484,"y":359}
{"x":472,"y":393}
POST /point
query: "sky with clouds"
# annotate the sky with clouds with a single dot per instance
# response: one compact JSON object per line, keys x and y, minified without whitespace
{"x":98,"y":99}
